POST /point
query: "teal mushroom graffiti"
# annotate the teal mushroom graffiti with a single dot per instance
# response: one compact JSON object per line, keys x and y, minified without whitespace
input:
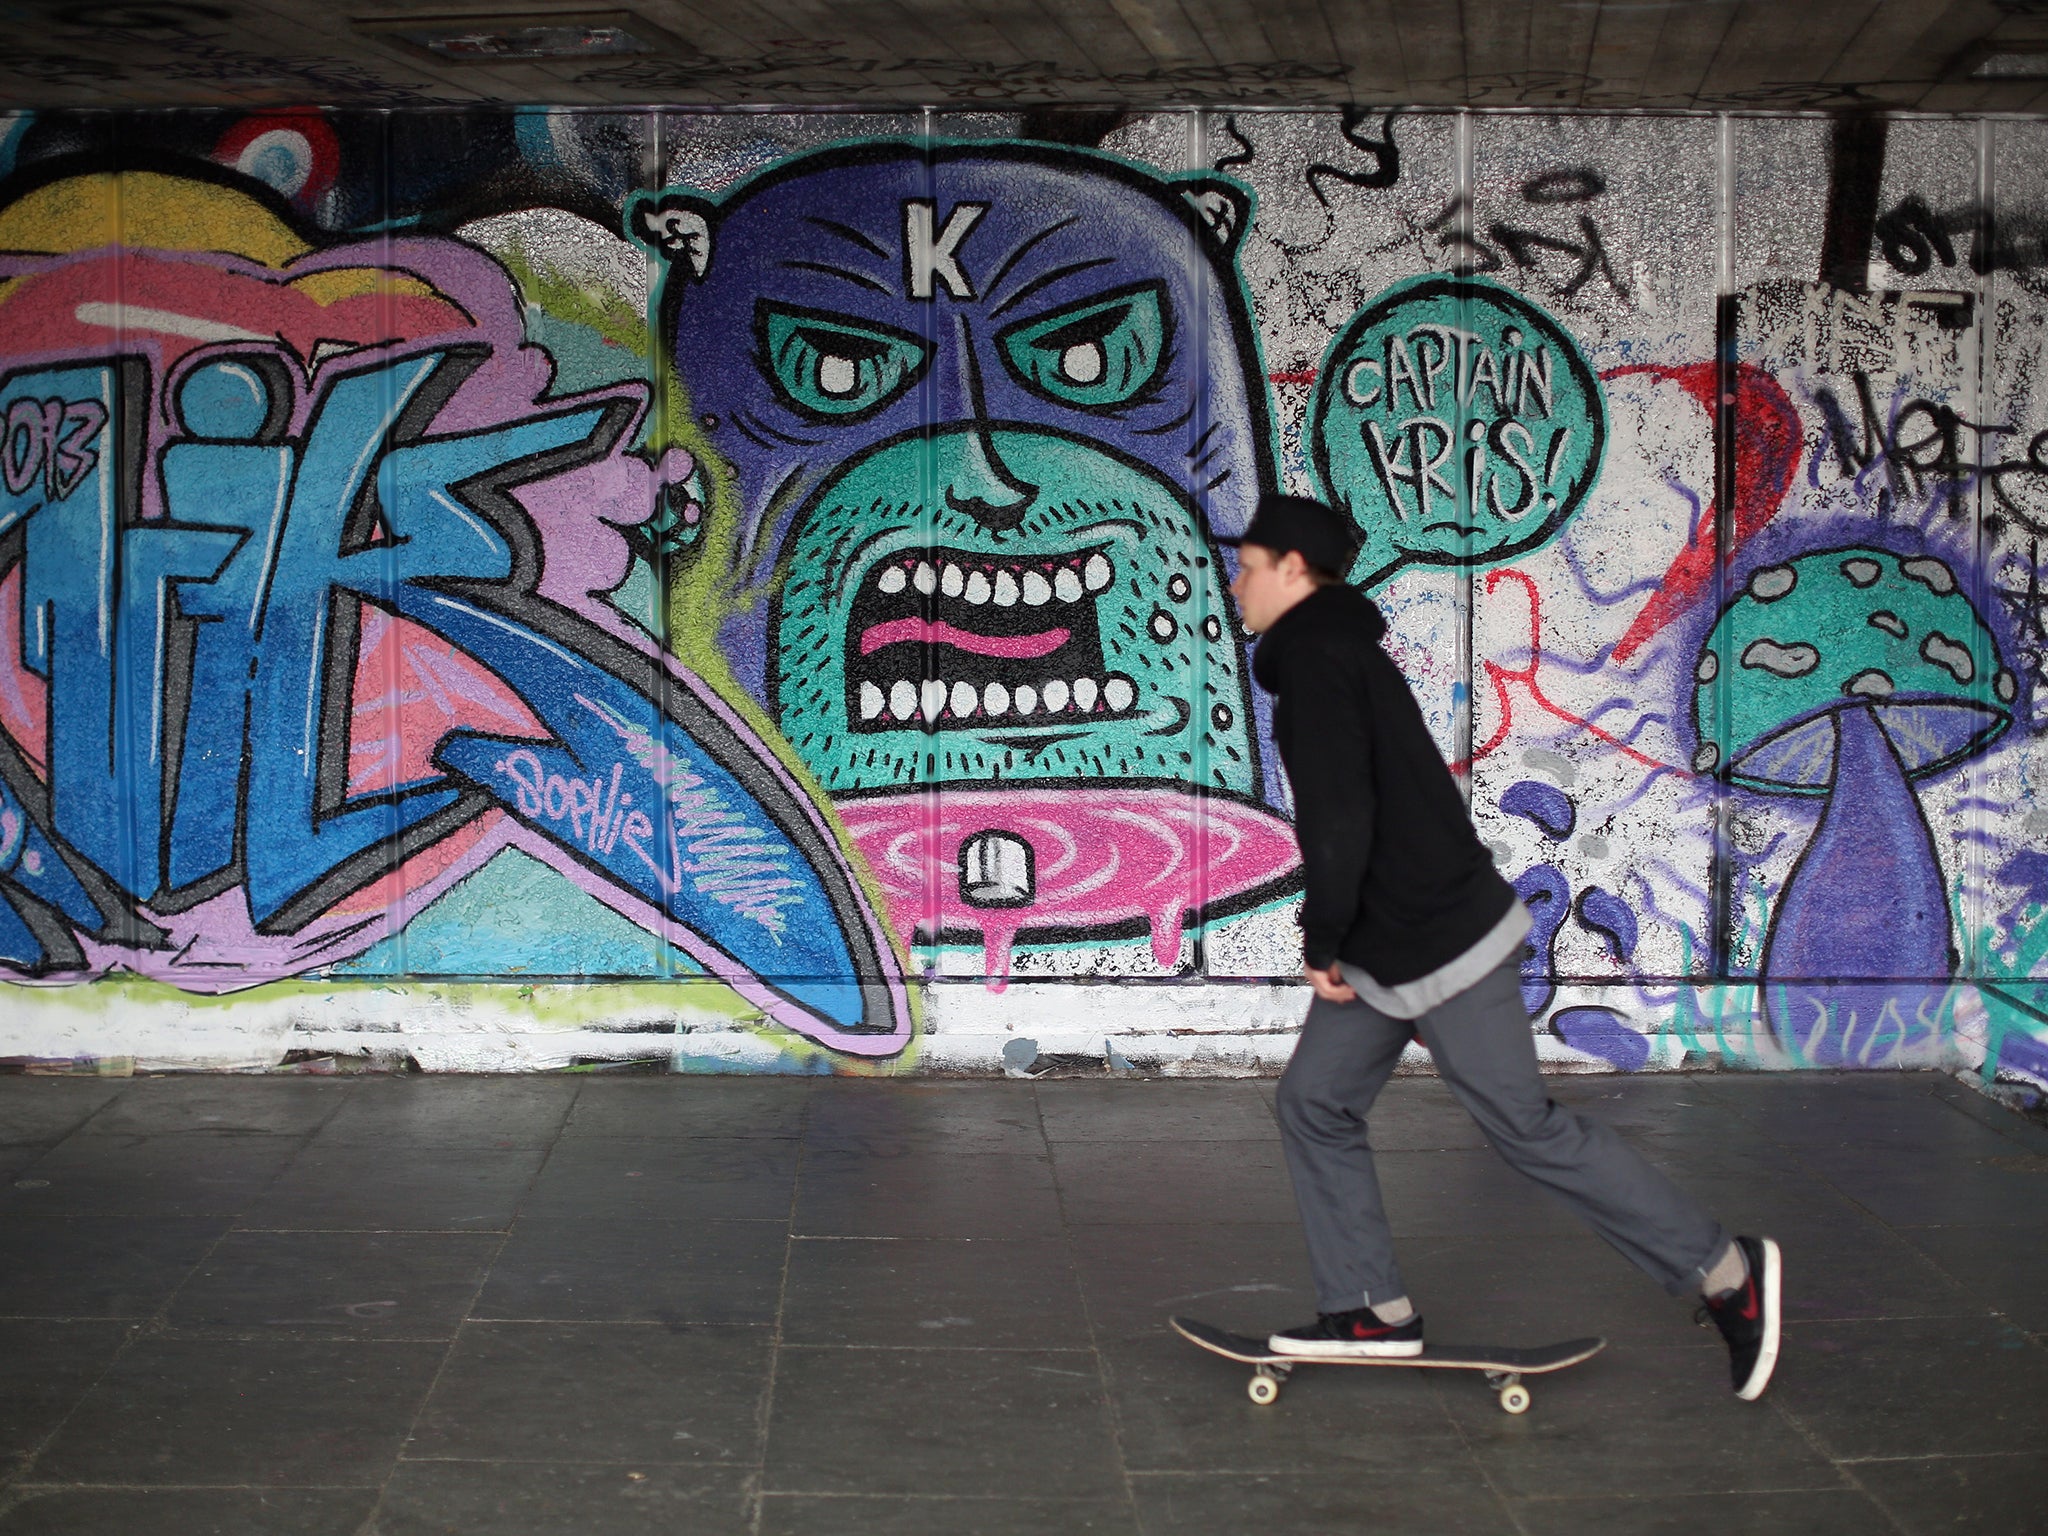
{"x":1849,"y":675}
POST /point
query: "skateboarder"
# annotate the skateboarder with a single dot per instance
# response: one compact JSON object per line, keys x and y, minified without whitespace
{"x":1408,"y":931}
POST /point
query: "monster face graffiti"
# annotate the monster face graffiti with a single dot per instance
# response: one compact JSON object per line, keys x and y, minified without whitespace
{"x":983,"y":430}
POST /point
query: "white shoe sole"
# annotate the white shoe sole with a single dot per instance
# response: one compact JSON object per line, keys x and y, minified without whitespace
{"x":1342,"y":1349}
{"x":1772,"y":1290}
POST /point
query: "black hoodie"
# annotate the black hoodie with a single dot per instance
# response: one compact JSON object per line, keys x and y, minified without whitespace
{"x":1398,"y":881}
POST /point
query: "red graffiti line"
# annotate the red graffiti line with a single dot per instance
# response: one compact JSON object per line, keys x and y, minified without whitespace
{"x":1292,"y":376}
{"x":1766,"y":447}
{"x":1498,"y":677}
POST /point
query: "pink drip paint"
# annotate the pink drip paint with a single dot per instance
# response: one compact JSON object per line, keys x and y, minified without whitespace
{"x":1099,"y":856}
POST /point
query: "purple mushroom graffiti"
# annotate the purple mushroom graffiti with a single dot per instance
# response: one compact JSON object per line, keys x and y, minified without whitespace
{"x":1849,"y":675}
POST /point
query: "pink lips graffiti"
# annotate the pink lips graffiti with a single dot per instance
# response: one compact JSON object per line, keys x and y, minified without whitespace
{"x":1099,"y":857}
{"x":896,"y":631}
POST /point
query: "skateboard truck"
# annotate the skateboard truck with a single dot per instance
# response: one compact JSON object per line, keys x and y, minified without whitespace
{"x":1267,"y":1380}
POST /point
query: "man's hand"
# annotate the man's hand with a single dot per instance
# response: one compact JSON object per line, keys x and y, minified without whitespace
{"x":1330,"y":985}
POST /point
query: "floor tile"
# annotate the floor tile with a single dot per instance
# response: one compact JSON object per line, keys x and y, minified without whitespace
{"x":988,"y":1293}
{"x":2030,"y":1133}
{"x":1636,"y":1421}
{"x":1156,"y":1181}
{"x":200,"y":1412}
{"x":1451,"y":1502}
{"x":1026,"y":1423}
{"x":1840,"y":1261}
{"x":1996,"y":1267}
{"x":1246,"y":1277}
{"x":701,"y":1178}
{"x":892,"y":1120}
{"x":45,"y":1368}
{"x":395,"y":1188}
{"x":1155,"y":1111}
{"x":39,"y":1111}
{"x":1816,"y":1512}
{"x":1923,"y":1386}
{"x":1180,"y":1409}
{"x":97,"y":1266}
{"x":189,"y":1511}
{"x":437,"y":1111}
{"x":939,"y":1194}
{"x":1845,"y":1112}
{"x":202,"y":1101}
{"x":597,"y":1393}
{"x":883,"y":1515}
{"x":492,"y":1498}
{"x":637,"y":1271}
{"x":170,"y":1175}
{"x":650,"y":1108}
{"x":1675,"y":1105}
{"x":1908,"y":1187}
{"x":335,"y":1285}
{"x":1961,"y":1495}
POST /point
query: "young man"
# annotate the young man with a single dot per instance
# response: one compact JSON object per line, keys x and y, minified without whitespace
{"x":1408,"y":931}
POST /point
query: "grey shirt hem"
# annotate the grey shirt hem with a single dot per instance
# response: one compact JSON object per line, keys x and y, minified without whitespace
{"x":1412,"y":999}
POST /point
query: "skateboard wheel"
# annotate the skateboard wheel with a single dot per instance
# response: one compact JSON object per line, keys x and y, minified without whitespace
{"x":1263,"y":1389}
{"x":1514,"y":1399}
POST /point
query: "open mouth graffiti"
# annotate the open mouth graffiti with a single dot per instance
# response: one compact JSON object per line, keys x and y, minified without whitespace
{"x":952,"y":638}
{"x":914,"y":644}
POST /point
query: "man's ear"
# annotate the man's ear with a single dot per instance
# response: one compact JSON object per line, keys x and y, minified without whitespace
{"x":677,"y":227}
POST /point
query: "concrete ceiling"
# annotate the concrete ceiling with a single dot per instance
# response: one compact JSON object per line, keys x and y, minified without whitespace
{"x":1759,"y":54}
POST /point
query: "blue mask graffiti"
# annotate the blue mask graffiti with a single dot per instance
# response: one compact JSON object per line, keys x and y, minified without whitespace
{"x":862,"y":296}
{"x":199,"y":671}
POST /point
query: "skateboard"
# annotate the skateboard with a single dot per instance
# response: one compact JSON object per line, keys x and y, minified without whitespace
{"x":1504,"y":1367}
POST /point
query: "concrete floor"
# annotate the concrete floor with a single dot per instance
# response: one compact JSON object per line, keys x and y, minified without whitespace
{"x":626,"y":1304}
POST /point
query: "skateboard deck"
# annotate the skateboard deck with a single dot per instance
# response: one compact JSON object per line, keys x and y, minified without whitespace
{"x":1504,"y":1366}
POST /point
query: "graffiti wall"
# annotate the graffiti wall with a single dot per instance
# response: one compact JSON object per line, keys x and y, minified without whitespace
{"x":745,"y":592}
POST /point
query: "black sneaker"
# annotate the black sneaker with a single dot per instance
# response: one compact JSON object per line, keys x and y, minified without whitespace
{"x":1748,"y":1318}
{"x":1351,"y":1334}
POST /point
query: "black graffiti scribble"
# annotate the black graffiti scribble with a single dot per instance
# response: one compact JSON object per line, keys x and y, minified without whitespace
{"x":1245,"y":153}
{"x":1526,"y":247}
{"x":1930,"y":451}
{"x":2027,"y":605}
{"x":1589,"y":251}
{"x":1913,"y":237}
{"x":1386,"y":157}
{"x":1576,"y":184}
{"x":1453,"y":231}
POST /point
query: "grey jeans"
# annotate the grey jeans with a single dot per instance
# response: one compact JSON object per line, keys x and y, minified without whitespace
{"x":1486,"y":1054}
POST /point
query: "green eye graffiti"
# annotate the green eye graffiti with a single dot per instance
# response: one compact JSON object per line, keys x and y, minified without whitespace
{"x":829,"y":365}
{"x":1104,"y":352}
